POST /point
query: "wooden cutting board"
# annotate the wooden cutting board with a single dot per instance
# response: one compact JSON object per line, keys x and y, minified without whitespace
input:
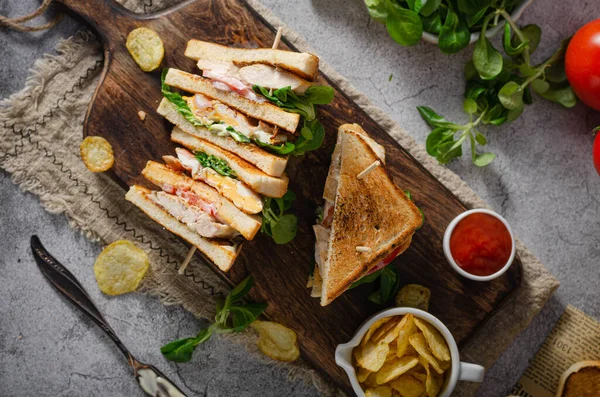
{"x":280,"y":272}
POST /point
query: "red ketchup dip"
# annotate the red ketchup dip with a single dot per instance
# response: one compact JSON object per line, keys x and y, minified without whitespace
{"x":480,"y":244}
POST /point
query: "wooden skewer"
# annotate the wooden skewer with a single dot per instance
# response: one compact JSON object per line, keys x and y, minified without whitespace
{"x":277,"y":38}
{"x":187,"y":259}
{"x":275,"y":45}
{"x":368,"y":170}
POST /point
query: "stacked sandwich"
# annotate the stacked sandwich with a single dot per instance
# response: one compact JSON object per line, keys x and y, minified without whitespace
{"x":237,"y":127}
{"x":367,"y":219}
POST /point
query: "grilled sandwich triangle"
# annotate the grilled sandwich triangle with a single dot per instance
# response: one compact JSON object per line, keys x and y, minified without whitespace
{"x":370,"y":212}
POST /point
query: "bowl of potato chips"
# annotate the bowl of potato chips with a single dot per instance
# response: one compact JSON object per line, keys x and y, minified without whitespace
{"x":404,"y":352}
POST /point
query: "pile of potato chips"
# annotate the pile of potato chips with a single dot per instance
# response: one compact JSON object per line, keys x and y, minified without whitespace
{"x":402,"y":356}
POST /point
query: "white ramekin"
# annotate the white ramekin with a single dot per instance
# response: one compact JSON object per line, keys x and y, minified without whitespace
{"x":458,"y":370}
{"x":450,"y":259}
{"x":515,"y":15}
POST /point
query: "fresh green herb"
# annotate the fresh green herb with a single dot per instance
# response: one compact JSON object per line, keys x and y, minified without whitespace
{"x":238,"y":136}
{"x":498,"y":88}
{"x":312,"y":131}
{"x":391,"y":77}
{"x":232,"y":316}
{"x":275,"y":223}
{"x":452,"y":20}
{"x":283,"y":149}
{"x":319,"y":214}
{"x":217,"y":164}
{"x":389,"y":283}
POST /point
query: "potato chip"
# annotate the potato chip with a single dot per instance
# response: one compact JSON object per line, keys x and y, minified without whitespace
{"x":371,"y":356}
{"x":371,"y":380}
{"x":408,"y":386}
{"x":362,"y":374}
{"x":120,"y":267}
{"x":421,"y":377}
{"x":276,"y":341}
{"x":385,"y":329}
{"x":391,"y":335}
{"x":437,"y":343}
{"x":417,"y":340}
{"x":379,"y":391}
{"x":393,"y":369}
{"x":97,"y":154}
{"x":433,"y":382}
{"x":410,"y":351}
{"x":374,"y":328}
{"x":146,"y":48}
{"x":407,"y":327}
{"x":413,"y":295}
{"x":392,"y":353}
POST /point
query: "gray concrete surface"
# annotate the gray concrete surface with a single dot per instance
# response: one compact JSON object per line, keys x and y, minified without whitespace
{"x":543,"y":182}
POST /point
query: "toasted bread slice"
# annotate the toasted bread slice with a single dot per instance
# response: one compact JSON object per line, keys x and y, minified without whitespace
{"x":303,"y":64}
{"x":265,"y":111}
{"x":260,"y":182}
{"x":221,"y":252}
{"x":334,"y":169}
{"x":161,"y":176}
{"x":370,"y":212}
{"x":267,"y":162}
{"x":581,"y":379}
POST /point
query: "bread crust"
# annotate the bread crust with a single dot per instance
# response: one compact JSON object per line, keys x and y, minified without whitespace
{"x":303,"y":64}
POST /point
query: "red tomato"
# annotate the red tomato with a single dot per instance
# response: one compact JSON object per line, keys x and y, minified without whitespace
{"x":596,"y":152}
{"x":582,"y":64}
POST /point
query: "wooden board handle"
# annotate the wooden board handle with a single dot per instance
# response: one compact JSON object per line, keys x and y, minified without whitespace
{"x":102,"y":15}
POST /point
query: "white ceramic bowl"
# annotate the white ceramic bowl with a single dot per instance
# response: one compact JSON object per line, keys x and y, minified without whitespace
{"x":458,"y":371}
{"x":515,"y":15}
{"x":450,"y":259}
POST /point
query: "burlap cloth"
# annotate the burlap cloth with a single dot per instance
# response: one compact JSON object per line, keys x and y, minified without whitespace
{"x":39,"y":146}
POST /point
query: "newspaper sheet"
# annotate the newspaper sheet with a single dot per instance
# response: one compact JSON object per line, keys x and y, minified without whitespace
{"x":575,"y":337}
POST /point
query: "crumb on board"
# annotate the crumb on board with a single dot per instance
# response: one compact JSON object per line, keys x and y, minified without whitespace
{"x":142,"y":115}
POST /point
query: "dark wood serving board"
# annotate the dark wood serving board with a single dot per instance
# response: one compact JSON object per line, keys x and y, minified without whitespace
{"x":280,"y":272}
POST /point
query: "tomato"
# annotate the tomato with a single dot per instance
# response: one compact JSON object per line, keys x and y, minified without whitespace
{"x":582,"y":64}
{"x":596,"y":152}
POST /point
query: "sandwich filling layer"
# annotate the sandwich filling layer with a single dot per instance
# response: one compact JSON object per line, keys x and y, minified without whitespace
{"x":197,"y":214}
{"x":222,"y":120}
{"x":227,"y":76}
{"x":233,"y":189}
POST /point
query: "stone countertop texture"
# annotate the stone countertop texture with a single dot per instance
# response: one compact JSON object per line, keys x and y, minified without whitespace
{"x":542,"y":182}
